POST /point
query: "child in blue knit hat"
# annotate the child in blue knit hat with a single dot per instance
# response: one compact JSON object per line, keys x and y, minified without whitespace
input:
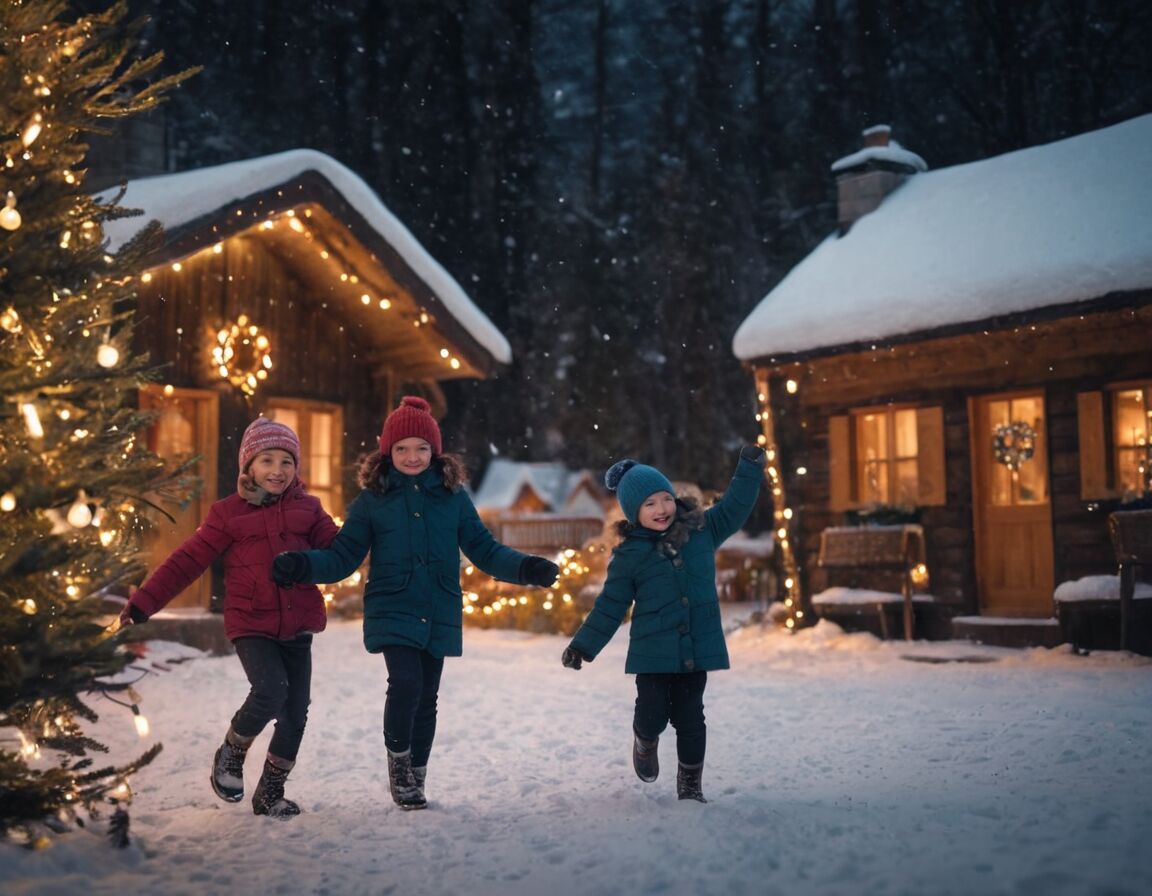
{"x":665,"y":570}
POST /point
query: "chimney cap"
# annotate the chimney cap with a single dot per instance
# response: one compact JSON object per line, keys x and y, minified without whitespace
{"x":877,"y":135}
{"x":880,"y":151}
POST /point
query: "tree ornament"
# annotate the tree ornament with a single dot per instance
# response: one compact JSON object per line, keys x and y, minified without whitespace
{"x":10,"y":218}
{"x":1013,"y":444}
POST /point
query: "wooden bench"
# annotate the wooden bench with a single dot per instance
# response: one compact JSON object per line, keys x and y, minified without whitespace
{"x":899,"y":548}
{"x":1132,"y":541}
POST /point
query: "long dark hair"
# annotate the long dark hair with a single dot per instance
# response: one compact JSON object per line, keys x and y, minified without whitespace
{"x":372,"y":471}
{"x":689,"y":519}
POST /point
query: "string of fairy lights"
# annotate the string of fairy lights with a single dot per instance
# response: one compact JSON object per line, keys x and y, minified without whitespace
{"x":783,"y":515}
{"x":485,"y":598}
{"x":241,"y":353}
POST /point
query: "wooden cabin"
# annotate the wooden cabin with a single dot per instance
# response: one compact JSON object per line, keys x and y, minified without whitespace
{"x":969,"y":354}
{"x":285,"y":287}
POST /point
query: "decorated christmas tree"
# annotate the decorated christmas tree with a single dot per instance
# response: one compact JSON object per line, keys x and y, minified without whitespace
{"x":77,"y":483}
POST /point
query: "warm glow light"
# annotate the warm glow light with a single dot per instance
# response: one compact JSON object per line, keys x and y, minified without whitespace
{"x":32,"y":420}
{"x":107,"y":355}
{"x":7,"y":502}
{"x":142,"y":727}
{"x":32,"y":130}
{"x":9,"y":217}
{"x":791,"y":386}
{"x":80,"y":514}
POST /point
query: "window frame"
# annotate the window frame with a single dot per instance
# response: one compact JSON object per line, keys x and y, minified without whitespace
{"x":307,"y":410}
{"x":844,"y":468}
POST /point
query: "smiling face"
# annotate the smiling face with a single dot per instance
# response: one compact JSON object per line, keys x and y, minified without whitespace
{"x":411,"y":455}
{"x":657,"y":512}
{"x":273,"y":470}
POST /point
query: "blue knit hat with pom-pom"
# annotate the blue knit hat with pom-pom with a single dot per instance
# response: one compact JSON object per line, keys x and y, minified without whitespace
{"x":633,"y":482}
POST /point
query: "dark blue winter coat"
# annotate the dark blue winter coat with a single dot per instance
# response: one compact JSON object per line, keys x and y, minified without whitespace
{"x":676,"y":619}
{"x":415,"y":531}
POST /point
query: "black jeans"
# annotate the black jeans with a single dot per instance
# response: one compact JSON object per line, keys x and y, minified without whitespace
{"x":280,"y":673}
{"x":676,"y":697}
{"x":410,"y":707}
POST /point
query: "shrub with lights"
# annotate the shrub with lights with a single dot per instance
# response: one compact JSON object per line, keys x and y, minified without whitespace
{"x":77,"y":482}
{"x":556,"y":610}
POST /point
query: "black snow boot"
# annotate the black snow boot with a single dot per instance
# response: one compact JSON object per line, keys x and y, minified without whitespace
{"x":688,"y":782}
{"x":420,"y":774}
{"x":228,"y":767}
{"x":269,"y":796}
{"x":406,"y":792}
{"x":645,"y":759}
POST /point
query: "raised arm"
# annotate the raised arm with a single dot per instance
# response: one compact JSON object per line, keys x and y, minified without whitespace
{"x":726,"y":516}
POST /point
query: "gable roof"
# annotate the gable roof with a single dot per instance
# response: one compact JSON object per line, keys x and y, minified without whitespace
{"x":1042,"y":227}
{"x":505,"y":479}
{"x":208,"y":204}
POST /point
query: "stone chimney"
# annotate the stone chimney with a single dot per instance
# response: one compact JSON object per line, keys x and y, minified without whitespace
{"x":864,"y":178}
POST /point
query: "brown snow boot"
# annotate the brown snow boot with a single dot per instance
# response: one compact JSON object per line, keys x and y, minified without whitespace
{"x":406,"y":792}
{"x":688,"y":782}
{"x":228,"y":767}
{"x":645,"y":758}
{"x":269,"y":796}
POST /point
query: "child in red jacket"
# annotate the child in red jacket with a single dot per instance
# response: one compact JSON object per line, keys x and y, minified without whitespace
{"x":271,"y":626}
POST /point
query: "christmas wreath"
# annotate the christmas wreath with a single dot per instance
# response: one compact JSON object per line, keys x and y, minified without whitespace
{"x":1013,"y":443}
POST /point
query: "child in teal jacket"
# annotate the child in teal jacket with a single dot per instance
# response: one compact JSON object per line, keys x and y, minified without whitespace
{"x":415,"y":518}
{"x":665,"y":570}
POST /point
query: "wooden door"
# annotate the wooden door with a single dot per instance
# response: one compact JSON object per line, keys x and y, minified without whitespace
{"x":1011,"y":504}
{"x":186,"y":426}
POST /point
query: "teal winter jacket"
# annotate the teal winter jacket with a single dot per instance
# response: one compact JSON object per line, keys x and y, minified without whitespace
{"x":415,"y":531}
{"x":676,"y":618}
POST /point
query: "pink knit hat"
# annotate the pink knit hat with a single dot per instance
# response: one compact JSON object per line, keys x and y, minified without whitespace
{"x":263,"y":434}
{"x":412,"y":418}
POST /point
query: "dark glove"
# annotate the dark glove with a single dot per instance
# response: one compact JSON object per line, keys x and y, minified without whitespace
{"x":132,"y":615}
{"x":291,"y":567}
{"x":538,"y":571}
{"x":573,"y":658}
{"x":753,"y":453}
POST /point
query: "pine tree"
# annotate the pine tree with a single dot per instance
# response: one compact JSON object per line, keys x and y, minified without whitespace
{"x":76,"y":479}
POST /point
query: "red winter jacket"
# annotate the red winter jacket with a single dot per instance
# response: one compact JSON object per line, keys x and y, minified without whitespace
{"x":249,"y":537}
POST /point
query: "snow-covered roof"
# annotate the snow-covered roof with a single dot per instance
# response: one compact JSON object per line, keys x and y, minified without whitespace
{"x":178,"y":199}
{"x":1045,"y":226}
{"x":505,"y":479}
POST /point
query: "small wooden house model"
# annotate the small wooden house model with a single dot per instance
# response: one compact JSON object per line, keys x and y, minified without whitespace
{"x":540,"y":507}
{"x":971,"y":349}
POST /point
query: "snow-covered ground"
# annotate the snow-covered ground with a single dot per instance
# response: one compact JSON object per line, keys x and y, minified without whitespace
{"x":837,"y":764}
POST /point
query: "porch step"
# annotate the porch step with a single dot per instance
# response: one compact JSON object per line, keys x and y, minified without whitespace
{"x":1008,"y":631}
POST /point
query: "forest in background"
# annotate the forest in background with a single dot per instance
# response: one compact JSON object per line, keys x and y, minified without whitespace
{"x":617,"y":183}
